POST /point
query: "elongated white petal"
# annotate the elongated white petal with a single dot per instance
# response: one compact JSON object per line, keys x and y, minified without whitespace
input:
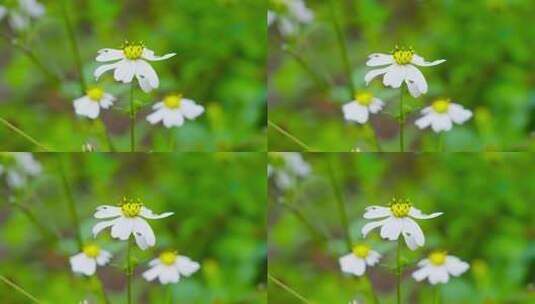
{"x":410,"y":241}
{"x":106,"y":211}
{"x":141,"y":242}
{"x":156,"y":116}
{"x":392,"y":229}
{"x":145,"y":71}
{"x":152,"y":273}
{"x":374,"y":73}
{"x":377,"y":59}
{"x":149,"y":55}
{"x":122,"y":228}
{"x":186,"y":266}
{"x":372,"y":225}
{"x":352,"y":264}
{"x":81,"y":263}
{"x":414,"y":75}
{"x":424,"y":121}
{"x":418,"y":60}
{"x":104,"y":68}
{"x":168,"y":274}
{"x":144,"y":83}
{"x":411,"y":228}
{"x":355,"y":112}
{"x":373,"y":212}
{"x":373,"y":258}
{"x":154,"y":262}
{"x":190,"y":109}
{"x":458,"y":114}
{"x":142,"y":227}
{"x":103,"y":258}
{"x":376,"y":105}
{"x":455,"y":266}
{"x":438,"y":274}
{"x":125,"y":71}
{"x":421,"y":274}
{"x":105,"y":55}
{"x":147,"y":213}
{"x":395,"y":76}
{"x":418,"y":214}
{"x":413,"y":88}
{"x":103,"y":225}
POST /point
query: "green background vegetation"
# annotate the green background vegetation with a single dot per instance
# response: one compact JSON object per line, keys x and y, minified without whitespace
{"x":488,"y":45}
{"x":219,"y":205}
{"x":488,"y":221}
{"x":221,"y":47}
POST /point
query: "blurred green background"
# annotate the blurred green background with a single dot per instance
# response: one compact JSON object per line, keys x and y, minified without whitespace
{"x":219,"y":205}
{"x":488,"y":221}
{"x":488,"y":45}
{"x":221,"y":47}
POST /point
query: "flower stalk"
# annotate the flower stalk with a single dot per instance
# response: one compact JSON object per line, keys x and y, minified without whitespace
{"x":71,"y":205}
{"x":288,"y":289}
{"x":398,"y":271}
{"x":129,"y":272}
{"x":290,"y":136}
{"x":132,"y":120}
{"x":74,"y":45}
{"x":401,"y":122}
{"x":19,"y":289}
{"x":23,"y":134}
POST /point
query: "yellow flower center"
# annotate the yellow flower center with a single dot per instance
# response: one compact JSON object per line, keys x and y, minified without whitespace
{"x":131,"y":208}
{"x":91,"y":250}
{"x":95,"y":93}
{"x":132,"y":50}
{"x":403,"y":55}
{"x":361,"y":250}
{"x":441,"y":105}
{"x":168,"y":258}
{"x":173,"y":101}
{"x":400,"y":207}
{"x":364,"y":98}
{"x":438,"y":258}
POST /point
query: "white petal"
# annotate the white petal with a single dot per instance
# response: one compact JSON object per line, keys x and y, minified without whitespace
{"x":141,"y":227}
{"x":373,"y":258}
{"x":455,"y":266}
{"x":458,"y":114}
{"x":158,"y":105}
{"x":411,"y":229}
{"x":103,"y":225}
{"x":141,"y":241}
{"x":417,"y":214}
{"x":376,"y":105}
{"x":147,"y":213}
{"x":355,"y":112}
{"x":374,"y":73}
{"x":107,"y":101}
{"x":190,"y":109}
{"x":186,"y":266}
{"x":32,"y":8}
{"x":438,"y":275}
{"x":421,"y":274}
{"x":413,"y":88}
{"x":169,"y":275}
{"x":154,"y":262}
{"x":352,"y":264}
{"x":417,"y":60}
{"x":149,"y":55}
{"x":156,"y":116}
{"x":374,"y":212}
{"x":109,"y":55}
{"x":123,"y":228}
{"x":152,"y":273}
{"x":440,"y":122}
{"x":376,"y":59}
{"x":145,"y":71}
{"x":125,"y":71}
{"x":392,"y":229}
{"x":104,"y":68}
{"x":372,"y":225}
{"x":424,"y":121}
{"x":423,"y":263}
{"x":414,"y":75}
{"x":81,"y":263}
{"x":144,"y":84}
{"x":172,"y":118}
{"x":395,"y":76}
{"x":103,"y":258}
{"x":410,"y":241}
{"x":106,"y":211}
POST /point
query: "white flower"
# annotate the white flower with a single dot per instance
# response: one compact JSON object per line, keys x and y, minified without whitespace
{"x":398,"y":219}
{"x":286,"y":168}
{"x":86,"y":261}
{"x":129,"y":219}
{"x":288,"y":14}
{"x":438,"y":267}
{"x":400,"y":69}
{"x":90,"y":104}
{"x":173,"y":110}
{"x":358,"y":109}
{"x":441,"y":115}
{"x":356,"y":261}
{"x":131,"y":62}
{"x":169,"y":267}
{"x":19,"y":19}
{"x":18,"y":167}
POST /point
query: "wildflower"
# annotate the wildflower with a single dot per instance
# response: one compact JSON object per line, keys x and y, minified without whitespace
{"x":358,"y":109}
{"x":356,"y":261}
{"x":18,"y":167}
{"x":169,"y":266}
{"x":19,"y":18}
{"x":441,"y":115}
{"x":288,"y":14}
{"x":398,"y":219}
{"x":401,"y":68}
{"x":173,"y":109}
{"x":129,"y":219}
{"x":86,"y":261}
{"x":286,"y":168}
{"x":438,"y":267}
{"x":131,"y":61}
{"x":90,"y":104}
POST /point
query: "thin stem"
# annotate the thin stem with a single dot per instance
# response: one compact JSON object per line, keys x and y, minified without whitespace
{"x":132,"y":120}
{"x":440,"y":142}
{"x":23,"y":134}
{"x":375,"y":139}
{"x":341,"y":205}
{"x":19,"y":289}
{"x":320,"y":81}
{"x":172,"y":140}
{"x":343,"y":48}
{"x":74,"y":45}
{"x":107,"y":136}
{"x":290,"y":136}
{"x":438,"y":298}
{"x":129,"y":271}
{"x":288,"y":289}
{"x":169,"y":295}
{"x":398,"y":271}
{"x":401,"y":121}
{"x":71,"y":205}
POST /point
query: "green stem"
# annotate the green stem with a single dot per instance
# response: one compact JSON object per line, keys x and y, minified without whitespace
{"x":19,"y":289}
{"x":169,"y":295}
{"x":74,"y":46}
{"x":71,"y":205}
{"x":103,"y":296}
{"x":401,"y":121}
{"x":341,"y":205}
{"x":437,"y":299}
{"x":106,"y":133}
{"x":23,"y":134}
{"x":290,"y":136}
{"x":129,"y":272}
{"x":132,"y":120}
{"x":440,"y":142}
{"x":375,"y":139}
{"x":172,"y":140}
{"x":398,"y":271}
{"x":320,"y":81}
{"x":288,"y":289}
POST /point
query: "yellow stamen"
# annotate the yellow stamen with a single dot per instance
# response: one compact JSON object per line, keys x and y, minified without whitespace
{"x":438,"y":258}
{"x":441,"y":105}
{"x":168,"y":258}
{"x":173,"y":101}
{"x":364,"y":98}
{"x":361,"y":250}
{"x":132,"y":50}
{"x":131,"y":208}
{"x":95,"y":93}
{"x":400,"y":207}
{"x":403,"y":55}
{"x":91,"y":250}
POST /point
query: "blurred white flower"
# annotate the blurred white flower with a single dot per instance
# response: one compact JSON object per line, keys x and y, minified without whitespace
{"x":356,"y":261}
{"x":131,"y":61}
{"x":86,"y":261}
{"x":401,"y":68}
{"x":358,"y":109}
{"x":169,"y":267}
{"x":19,"y":18}
{"x":442,"y":114}
{"x":438,"y":267}
{"x":90,"y":104}
{"x":129,"y":219}
{"x":173,"y":110}
{"x":288,"y":14}
{"x":286,"y":168}
{"x":17,"y":167}
{"x":398,"y":219}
